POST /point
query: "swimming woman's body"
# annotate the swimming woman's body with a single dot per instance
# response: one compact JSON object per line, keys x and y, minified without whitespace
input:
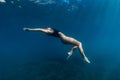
{"x":65,"y":39}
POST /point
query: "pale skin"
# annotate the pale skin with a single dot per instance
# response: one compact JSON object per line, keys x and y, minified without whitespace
{"x":65,"y":39}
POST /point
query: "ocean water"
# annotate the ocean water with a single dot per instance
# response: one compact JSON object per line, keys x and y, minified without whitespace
{"x":36,"y":56}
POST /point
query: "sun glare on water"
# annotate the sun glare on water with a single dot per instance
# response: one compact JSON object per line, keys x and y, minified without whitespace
{"x":3,"y":1}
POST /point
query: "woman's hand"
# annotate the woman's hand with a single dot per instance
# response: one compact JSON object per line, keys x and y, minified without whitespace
{"x":26,"y":29}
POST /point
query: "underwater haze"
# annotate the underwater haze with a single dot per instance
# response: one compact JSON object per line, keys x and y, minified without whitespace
{"x":36,"y":56}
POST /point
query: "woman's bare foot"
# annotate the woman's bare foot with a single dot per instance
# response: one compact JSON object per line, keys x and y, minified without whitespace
{"x":86,"y":59}
{"x":69,"y":54}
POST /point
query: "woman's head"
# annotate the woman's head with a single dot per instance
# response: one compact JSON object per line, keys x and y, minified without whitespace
{"x":49,"y":29}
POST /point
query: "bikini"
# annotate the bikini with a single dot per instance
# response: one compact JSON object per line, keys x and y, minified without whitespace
{"x":55,"y":33}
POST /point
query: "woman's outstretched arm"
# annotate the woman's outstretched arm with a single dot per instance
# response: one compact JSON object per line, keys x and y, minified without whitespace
{"x":36,"y":29}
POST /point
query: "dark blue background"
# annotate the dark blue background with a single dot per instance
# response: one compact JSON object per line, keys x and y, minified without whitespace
{"x":36,"y":56}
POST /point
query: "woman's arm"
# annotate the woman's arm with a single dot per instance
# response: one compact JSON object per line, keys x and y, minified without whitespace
{"x":36,"y":29}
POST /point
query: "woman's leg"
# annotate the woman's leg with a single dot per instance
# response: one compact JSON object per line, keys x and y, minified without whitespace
{"x":82,"y":52}
{"x":73,"y":41}
{"x":68,"y":40}
{"x":71,"y":52}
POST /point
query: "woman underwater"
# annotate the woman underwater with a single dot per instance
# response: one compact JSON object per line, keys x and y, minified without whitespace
{"x":65,"y":39}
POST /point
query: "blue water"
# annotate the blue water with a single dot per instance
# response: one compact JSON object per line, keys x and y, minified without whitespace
{"x":36,"y":56}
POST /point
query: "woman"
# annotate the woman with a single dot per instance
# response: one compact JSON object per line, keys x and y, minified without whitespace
{"x":65,"y":39}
